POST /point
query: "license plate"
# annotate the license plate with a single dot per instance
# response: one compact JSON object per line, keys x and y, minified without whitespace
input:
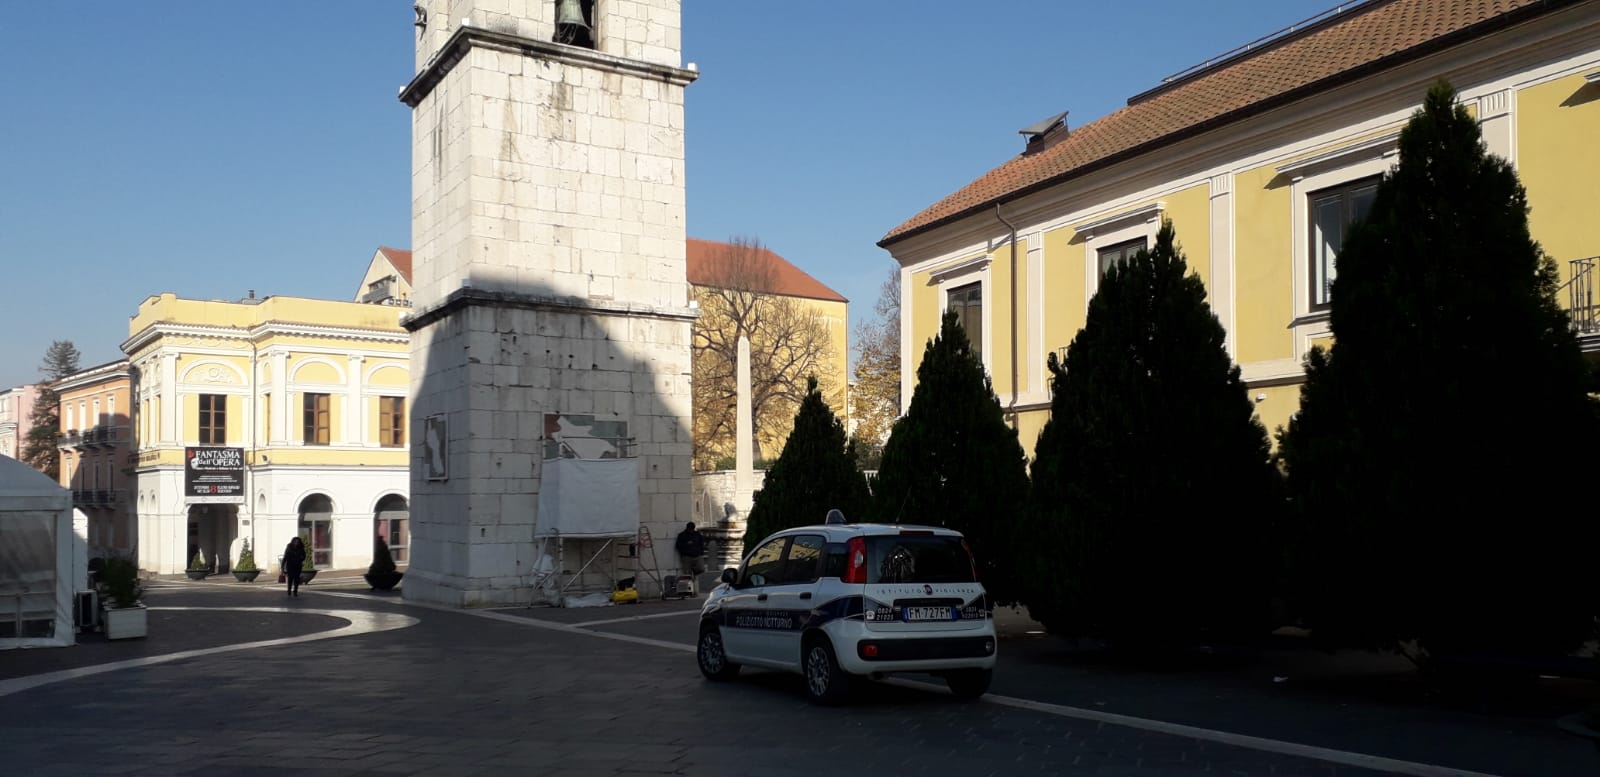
{"x":927,"y":614}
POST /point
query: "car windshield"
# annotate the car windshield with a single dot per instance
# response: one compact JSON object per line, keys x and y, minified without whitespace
{"x":918,"y":559}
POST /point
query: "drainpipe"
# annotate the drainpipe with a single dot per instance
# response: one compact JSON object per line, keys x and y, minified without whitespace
{"x":252,"y":454}
{"x":1015,"y":371}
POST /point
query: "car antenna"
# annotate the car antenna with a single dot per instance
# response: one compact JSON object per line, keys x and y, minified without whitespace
{"x":903,"y":500}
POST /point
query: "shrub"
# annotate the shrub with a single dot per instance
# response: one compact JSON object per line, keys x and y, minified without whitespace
{"x":1152,"y":483}
{"x":382,"y":559}
{"x":1440,"y":459}
{"x":247,"y":559}
{"x":815,"y":473}
{"x":119,"y":582}
{"x":952,"y":461}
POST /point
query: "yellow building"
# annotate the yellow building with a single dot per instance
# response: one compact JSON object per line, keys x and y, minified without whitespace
{"x":1260,"y":158}
{"x":263,"y":418}
{"x":709,"y":266}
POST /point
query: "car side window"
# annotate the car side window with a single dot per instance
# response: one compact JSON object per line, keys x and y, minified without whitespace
{"x":804,"y":554}
{"x":765,"y":566}
{"x":833,"y":563}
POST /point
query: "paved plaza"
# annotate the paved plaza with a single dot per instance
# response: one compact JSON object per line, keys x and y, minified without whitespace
{"x":365,"y":684}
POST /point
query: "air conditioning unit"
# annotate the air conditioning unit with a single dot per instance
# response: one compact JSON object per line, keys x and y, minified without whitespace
{"x":86,"y":610}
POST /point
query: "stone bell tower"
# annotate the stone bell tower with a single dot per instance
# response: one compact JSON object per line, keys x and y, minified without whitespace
{"x":548,"y":274}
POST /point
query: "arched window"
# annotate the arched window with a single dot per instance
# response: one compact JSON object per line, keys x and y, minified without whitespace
{"x":393,"y":524}
{"x":316,"y":528}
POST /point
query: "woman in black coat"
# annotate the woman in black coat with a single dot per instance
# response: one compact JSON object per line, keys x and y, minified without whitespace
{"x":294,"y":557}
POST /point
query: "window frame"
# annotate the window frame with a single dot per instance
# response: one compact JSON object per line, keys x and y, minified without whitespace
{"x":1315,"y":268}
{"x":1111,"y":231}
{"x":321,"y":555}
{"x":1142,"y":242}
{"x":213,"y":419}
{"x":975,"y":287}
{"x":391,"y":421}
{"x":781,"y":561}
{"x":794,"y":575}
{"x":316,"y":418}
{"x":399,"y":539}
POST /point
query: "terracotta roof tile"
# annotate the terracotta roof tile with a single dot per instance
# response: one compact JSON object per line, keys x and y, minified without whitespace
{"x":400,"y":258}
{"x":788,"y":280}
{"x":1377,"y":35}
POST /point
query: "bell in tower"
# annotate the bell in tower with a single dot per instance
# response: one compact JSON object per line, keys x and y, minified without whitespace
{"x":572,"y":23}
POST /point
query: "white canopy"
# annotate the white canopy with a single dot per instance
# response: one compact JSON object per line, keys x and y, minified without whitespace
{"x":39,"y":559}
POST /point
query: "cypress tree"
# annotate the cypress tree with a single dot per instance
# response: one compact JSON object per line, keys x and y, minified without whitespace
{"x":815,"y":473}
{"x":1153,"y":484}
{"x":952,"y":461}
{"x":1441,"y":459}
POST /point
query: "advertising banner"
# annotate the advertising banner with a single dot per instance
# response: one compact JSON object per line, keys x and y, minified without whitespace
{"x":213,"y":475}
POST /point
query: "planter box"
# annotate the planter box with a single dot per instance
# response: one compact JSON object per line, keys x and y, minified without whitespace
{"x":306,"y":575}
{"x":246,"y":576}
{"x":124,"y":622}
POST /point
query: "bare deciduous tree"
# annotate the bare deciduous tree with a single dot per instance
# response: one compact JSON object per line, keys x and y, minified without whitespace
{"x":875,"y":399}
{"x":789,"y":342}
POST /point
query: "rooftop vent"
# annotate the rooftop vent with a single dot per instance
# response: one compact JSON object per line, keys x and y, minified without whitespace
{"x":1039,"y":131}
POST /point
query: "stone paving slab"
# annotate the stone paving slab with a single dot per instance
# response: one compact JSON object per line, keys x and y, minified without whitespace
{"x":168,"y":632}
{"x":1355,"y":702}
{"x":458,"y":694}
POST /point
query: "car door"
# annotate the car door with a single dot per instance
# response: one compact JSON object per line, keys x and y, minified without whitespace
{"x":788,"y":603}
{"x":743,"y":625}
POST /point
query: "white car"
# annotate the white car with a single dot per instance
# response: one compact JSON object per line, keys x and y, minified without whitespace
{"x":838,"y":601}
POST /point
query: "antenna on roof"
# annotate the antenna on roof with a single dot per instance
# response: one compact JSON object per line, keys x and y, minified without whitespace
{"x":1309,"y":24}
{"x":1044,"y":128}
{"x":835,"y":517}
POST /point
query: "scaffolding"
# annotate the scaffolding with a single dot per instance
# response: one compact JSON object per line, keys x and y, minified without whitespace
{"x":588,"y":526}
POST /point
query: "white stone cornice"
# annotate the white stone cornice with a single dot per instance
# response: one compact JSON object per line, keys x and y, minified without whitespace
{"x":1494,"y":104}
{"x":1221,"y":184}
{"x":1376,"y":148}
{"x":93,"y":375}
{"x":256,"y":334}
{"x":1145,"y":213}
{"x":149,"y":334}
{"x":961,"y":268}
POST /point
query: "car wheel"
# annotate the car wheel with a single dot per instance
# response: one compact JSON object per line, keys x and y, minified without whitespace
{"x":713,"y":660}
{"x":826,"y":683}
{"x":969,"y":684}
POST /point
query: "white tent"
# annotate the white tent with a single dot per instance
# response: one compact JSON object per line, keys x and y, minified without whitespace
{"x":39,"y":559}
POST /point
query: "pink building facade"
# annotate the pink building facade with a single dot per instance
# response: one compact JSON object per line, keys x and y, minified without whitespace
{"x":16,"y":414}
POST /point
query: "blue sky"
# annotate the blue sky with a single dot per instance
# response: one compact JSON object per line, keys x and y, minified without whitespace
{"x":206,"y":148}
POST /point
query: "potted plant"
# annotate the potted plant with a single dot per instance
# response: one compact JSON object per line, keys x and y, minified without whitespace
{"x":197,"y":567}
{"x":122,"y":614}
{"x":308,"y":568}
{"x":381,"y":575}
{"x":246,"y":571}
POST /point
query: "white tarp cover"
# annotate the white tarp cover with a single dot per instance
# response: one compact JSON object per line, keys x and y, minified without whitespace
{"x":588,"y":498}
{"x":36,"y":559}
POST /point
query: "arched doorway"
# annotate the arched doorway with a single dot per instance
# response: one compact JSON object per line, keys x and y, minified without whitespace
{"x":392,"y":520}
{"x":316,"y":528}
{"x":212,"y":529}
